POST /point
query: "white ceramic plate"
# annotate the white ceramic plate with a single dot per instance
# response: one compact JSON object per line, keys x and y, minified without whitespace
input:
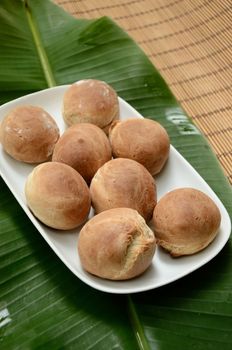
{"x":177,"y":173}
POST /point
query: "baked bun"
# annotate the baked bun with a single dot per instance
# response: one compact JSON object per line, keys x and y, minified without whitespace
{"x":91,"y":101}
{"x":29,"y":134}
{"x":85,"y":147}
{"x":57,"y":195}
{"x":143,"y":140}
{"x":123,"y":183}
{"x":185,"y":221}
{"x":116,"y":244}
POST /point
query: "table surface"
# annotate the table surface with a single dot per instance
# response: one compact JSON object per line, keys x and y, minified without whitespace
{"x":189,"y":42}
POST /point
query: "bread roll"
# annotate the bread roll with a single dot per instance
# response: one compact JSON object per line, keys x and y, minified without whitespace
{"x":91,"y":101}
{"x":29,"y":134}
{"x":58,"y":195}
{"x":85,"y":147}
{"x":123,"y":183}
{"x":185,"y":221}
{"x":143,"y":140}
{"x":116,"y":244}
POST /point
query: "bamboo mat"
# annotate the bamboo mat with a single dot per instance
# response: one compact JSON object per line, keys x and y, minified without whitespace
{"x":189,"y":42}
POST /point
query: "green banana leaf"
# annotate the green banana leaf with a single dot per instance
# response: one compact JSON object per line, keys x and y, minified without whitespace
{"x":42,"y":305}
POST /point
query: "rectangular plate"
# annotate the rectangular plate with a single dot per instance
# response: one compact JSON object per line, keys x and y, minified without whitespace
{"x":177,"y":173}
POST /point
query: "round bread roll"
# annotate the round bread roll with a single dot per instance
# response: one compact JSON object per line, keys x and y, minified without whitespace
{"x":29,"y":134}
{"x":91,"y":101}
{"x":185,"y":221}
{"x":116,"y":244}
{"x":85,"y":147}
{"x":58,"y":195}
{"x":123,"y":182}
{"x":143,"y":140}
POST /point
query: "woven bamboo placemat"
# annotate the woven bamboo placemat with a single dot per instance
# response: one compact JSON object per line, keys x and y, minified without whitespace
{"x":189,"y":42}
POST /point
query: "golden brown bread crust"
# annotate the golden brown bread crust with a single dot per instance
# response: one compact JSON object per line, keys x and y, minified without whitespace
{"x":123,"y":182}
{"x":29,"y":134}
{"x":58,"y":195}
{"x":143,"y":140}
{"x":116,"y":244}
{"x":185,"y":221}
{"x":91,"y":101}
{"x":85,"y":147}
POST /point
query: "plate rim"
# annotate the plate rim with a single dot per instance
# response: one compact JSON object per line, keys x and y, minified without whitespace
{"x":38,"y":225}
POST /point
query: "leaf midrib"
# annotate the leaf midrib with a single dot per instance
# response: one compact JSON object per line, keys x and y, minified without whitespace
{"x":51,"y":82}
{"x":49,"y":77}
{"x":136,"y":325}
